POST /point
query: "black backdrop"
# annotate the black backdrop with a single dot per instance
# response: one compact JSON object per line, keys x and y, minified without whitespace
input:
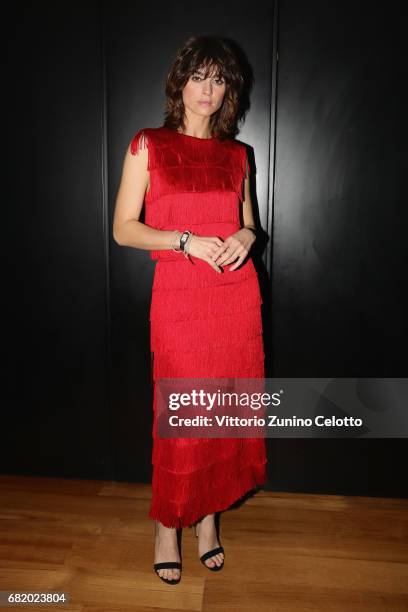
{"x":328,"y":135}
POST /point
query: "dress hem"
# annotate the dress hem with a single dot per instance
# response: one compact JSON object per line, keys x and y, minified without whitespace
{"x":252,"y":478}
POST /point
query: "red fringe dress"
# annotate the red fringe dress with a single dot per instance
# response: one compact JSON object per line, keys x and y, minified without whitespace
{"x":202,"y":324}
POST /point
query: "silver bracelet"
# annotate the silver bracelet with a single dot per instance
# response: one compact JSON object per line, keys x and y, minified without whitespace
{"x":184,"y":237}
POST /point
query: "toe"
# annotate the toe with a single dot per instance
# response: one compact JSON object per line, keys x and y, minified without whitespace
{"x":220,"y":559}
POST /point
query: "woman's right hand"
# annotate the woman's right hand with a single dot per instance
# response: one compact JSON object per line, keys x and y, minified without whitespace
{"x":204,"y":248}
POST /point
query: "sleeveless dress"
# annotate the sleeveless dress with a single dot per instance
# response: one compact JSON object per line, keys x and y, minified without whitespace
{"x":203,"y":324}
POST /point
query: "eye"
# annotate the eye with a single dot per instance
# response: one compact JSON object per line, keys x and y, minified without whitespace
{"x":196,"y":77}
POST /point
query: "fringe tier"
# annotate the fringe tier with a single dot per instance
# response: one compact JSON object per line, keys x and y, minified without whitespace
{"x":221,"y":489}
{"x":205,"y":302}
{"x":217,"y":362}
{"x":181,"y":274}
{"x":181,"y":164}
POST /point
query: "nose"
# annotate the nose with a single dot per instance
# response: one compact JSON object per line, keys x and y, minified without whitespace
{"x":207,"y":86}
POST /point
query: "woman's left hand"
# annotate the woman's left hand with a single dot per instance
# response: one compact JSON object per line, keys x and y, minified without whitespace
{"x":235,"y":246}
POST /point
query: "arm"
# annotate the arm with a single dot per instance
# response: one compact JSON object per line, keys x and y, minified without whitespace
{"x":247,"y":212}
{"x":239,"y":244}
{"x":127,"y":229}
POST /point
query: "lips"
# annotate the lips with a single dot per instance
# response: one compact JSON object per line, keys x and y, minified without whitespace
{"x":204,"y":102}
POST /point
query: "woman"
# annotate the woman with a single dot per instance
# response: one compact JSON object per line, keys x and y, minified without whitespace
{"x":205,"y":313}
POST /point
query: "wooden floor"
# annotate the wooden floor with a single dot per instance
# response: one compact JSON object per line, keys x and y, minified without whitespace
{"x":283,"y":552}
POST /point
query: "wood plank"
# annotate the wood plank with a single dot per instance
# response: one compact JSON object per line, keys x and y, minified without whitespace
{"x":283,"y":551}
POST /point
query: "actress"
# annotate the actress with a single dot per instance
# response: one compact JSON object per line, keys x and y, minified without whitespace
{"x":205,"y":314}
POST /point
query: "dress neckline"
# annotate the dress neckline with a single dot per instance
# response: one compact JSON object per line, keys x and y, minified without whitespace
{"x":212,"y":139}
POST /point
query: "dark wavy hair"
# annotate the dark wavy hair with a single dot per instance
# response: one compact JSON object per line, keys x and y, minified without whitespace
{"x":208,"y":53}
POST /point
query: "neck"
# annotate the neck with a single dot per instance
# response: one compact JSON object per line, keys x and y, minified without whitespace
{"x":198,"y":129}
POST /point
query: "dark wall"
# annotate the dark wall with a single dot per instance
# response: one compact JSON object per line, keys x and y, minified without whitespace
{"x":56,"y":413}
{"x":326,"y":131}
{"x":339,"y":226}
{"x":339,"y":238}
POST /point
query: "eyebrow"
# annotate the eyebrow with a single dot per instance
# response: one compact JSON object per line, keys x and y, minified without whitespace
{"x":201,"y":72}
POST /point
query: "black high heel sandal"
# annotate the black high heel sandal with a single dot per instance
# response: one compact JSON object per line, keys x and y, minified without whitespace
{"x":168,"y":565}
{"x":211,"y":553}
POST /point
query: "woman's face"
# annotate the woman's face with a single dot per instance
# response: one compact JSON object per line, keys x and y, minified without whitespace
{"x":204,"y":96}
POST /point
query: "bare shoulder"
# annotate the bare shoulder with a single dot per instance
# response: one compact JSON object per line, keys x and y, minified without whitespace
{"x":136,"y":163}
{"x":134,"y":183}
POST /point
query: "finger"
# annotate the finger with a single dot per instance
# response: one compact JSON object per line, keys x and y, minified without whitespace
{"x":222,"y":260}
{"x":238,"y":253}
{"x":237,"y":264}
{"x":225,"y":249}
{"x":213,"y":265}
{"x":228,"y":257}
{"x":242,"y":254}
{"x":215,"y":256}
{"x":226,"y":262}
{"x":232,"y":245}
